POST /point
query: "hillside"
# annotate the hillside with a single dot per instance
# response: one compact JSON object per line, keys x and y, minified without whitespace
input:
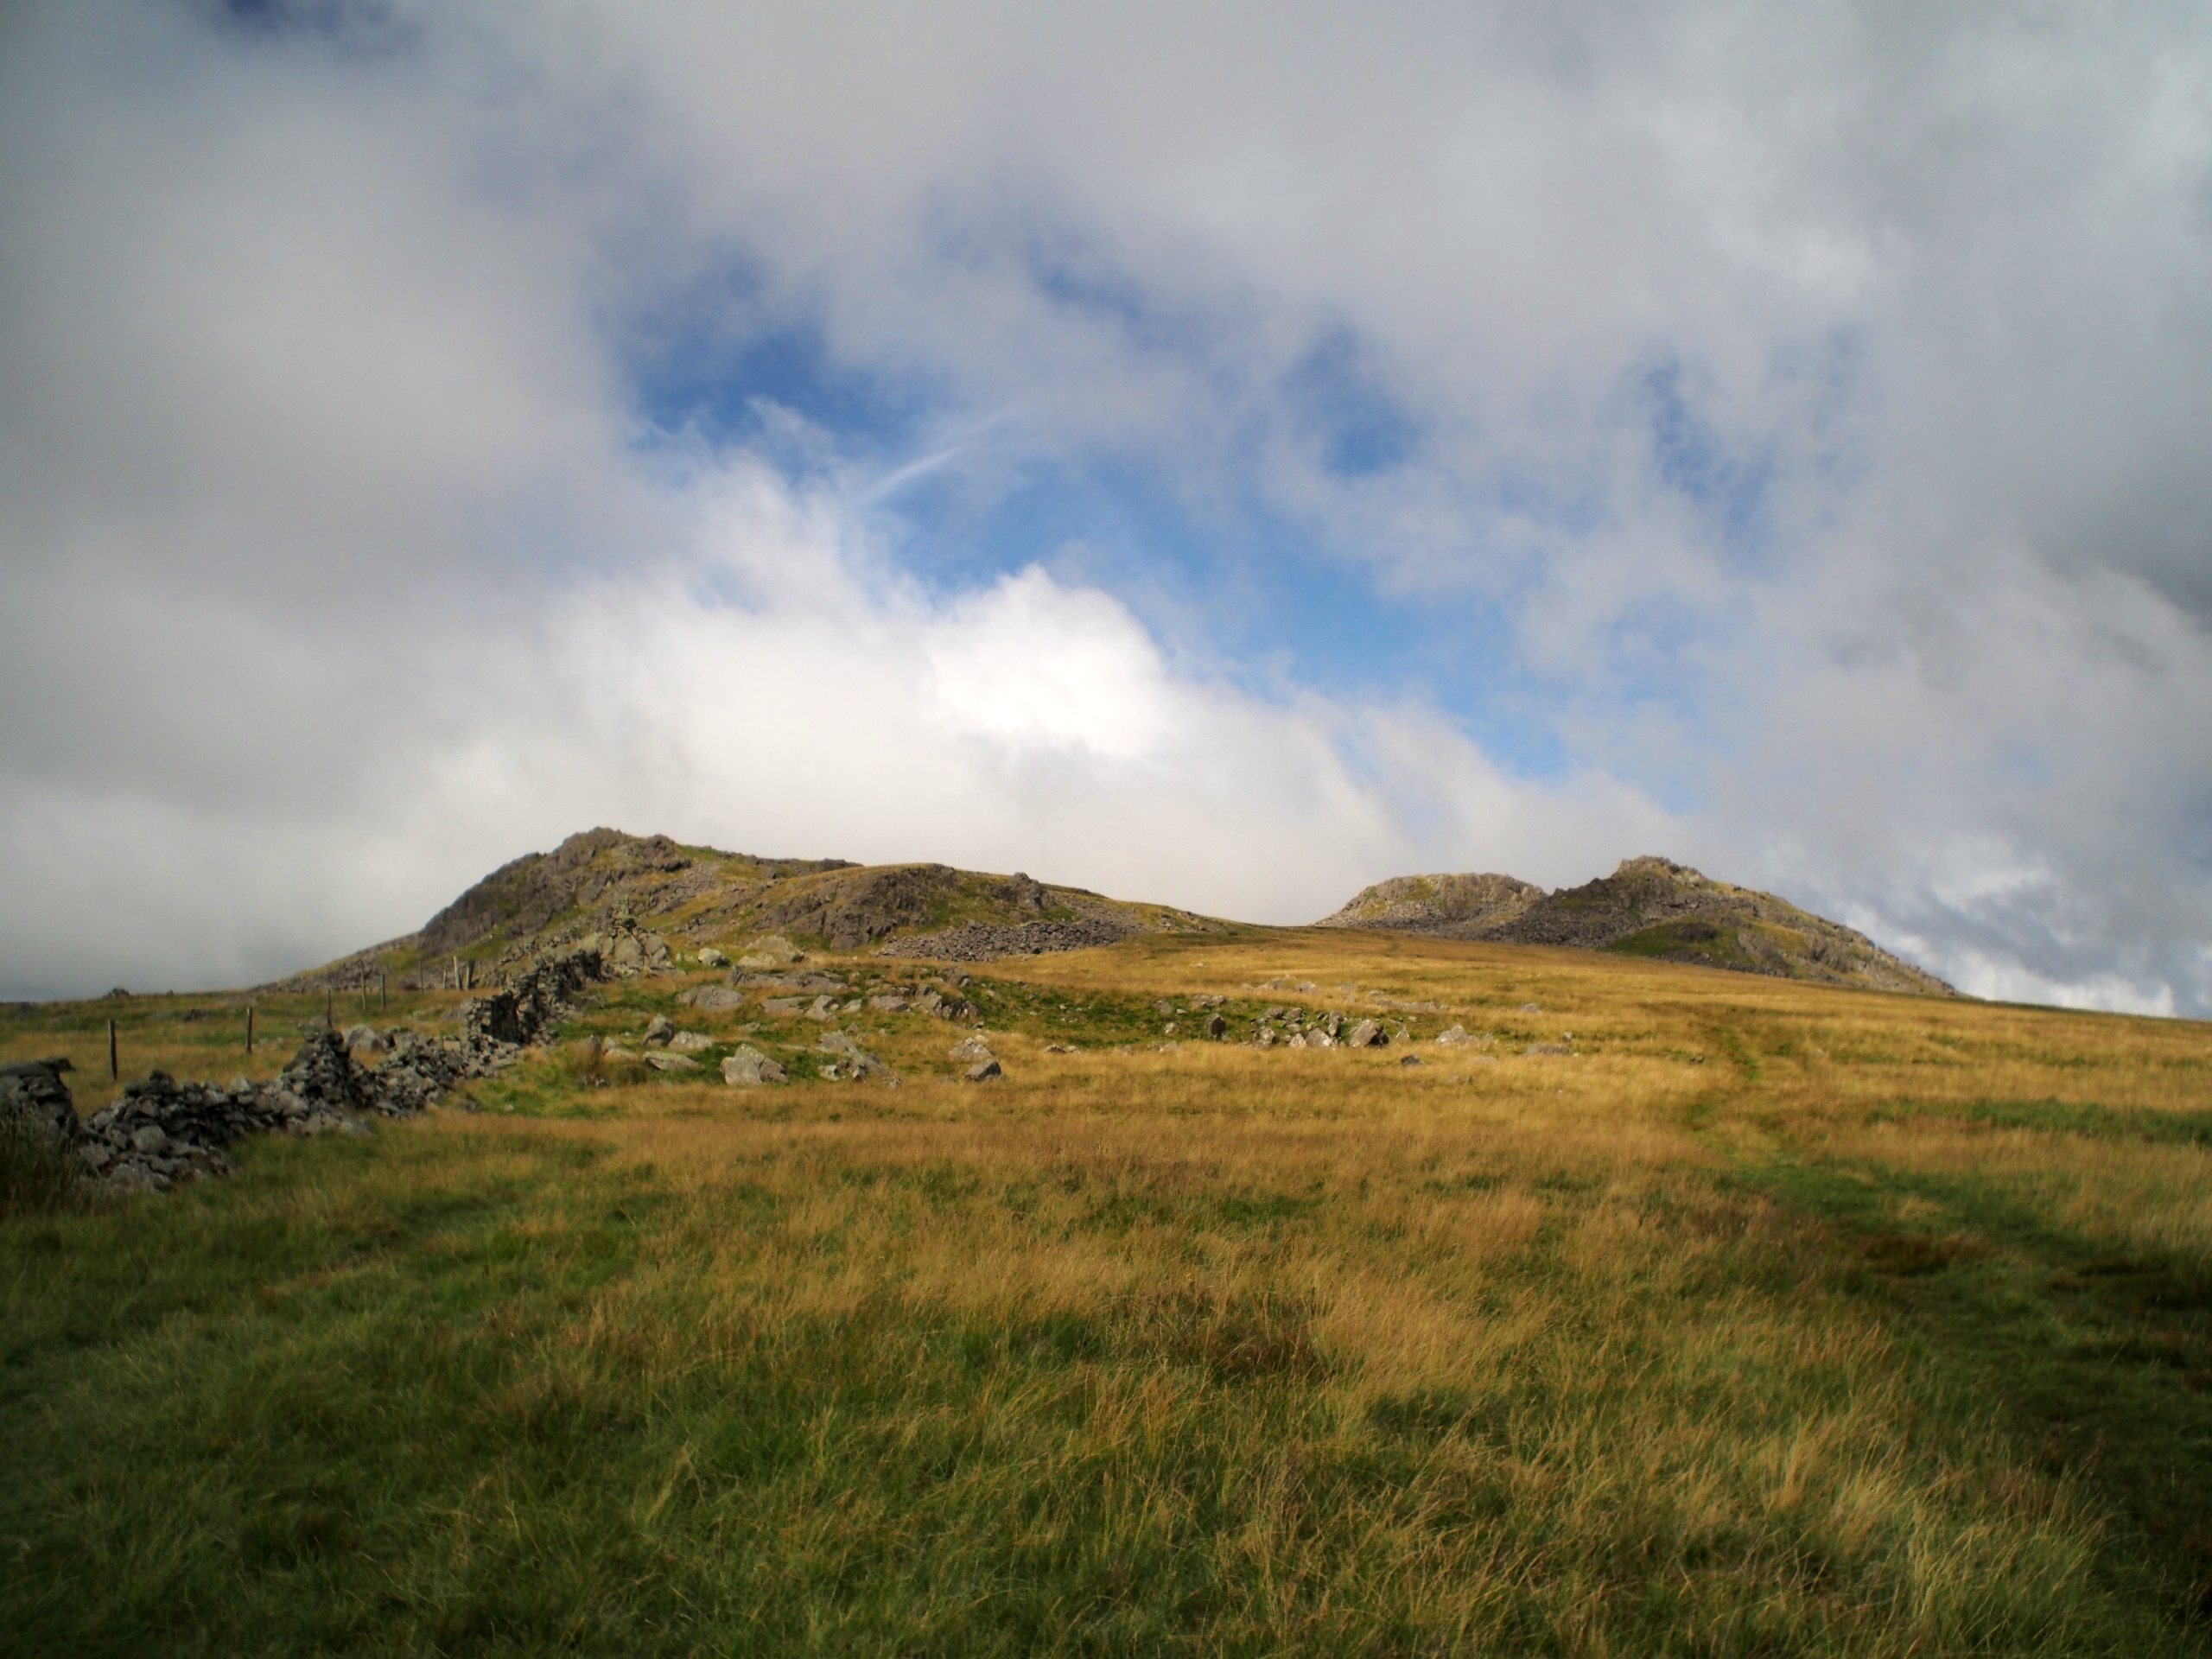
{"x":1647,"y":908}
{"x":647,"y":899}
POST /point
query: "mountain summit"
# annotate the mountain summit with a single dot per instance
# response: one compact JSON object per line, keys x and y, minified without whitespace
{"x":1647,"y":908}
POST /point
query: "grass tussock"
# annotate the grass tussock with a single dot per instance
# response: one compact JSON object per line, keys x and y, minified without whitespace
{"x":1763,"y":1319}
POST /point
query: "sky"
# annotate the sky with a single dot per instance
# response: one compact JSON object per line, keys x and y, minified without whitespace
{"x":1216,"y":453}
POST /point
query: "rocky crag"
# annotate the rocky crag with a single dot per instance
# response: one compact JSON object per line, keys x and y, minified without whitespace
{"x":643,"y":900}
{"x":160,"y":1130}
{"x":1650,"y":908}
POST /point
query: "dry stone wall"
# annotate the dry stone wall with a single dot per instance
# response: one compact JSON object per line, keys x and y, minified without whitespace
{"x":159,"y":1130}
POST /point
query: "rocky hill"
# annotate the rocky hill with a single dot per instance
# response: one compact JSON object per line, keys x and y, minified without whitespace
{"x":1647,"y":908}
{"x":643,"y":899}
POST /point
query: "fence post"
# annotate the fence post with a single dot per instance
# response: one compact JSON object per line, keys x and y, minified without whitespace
{"x":249,"y":1029}
{"x":114,"y":1070}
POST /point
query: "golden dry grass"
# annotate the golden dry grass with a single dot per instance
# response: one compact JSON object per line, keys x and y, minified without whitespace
{"x":1771,"y":1319}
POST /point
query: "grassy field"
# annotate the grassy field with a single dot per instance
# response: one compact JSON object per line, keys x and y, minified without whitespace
{"x":1768,"y":1320}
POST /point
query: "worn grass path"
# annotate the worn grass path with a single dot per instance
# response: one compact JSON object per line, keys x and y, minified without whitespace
{"x":1772,"y":1320}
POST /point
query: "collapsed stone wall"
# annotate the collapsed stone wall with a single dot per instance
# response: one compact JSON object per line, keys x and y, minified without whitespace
{"x":160,"y":1130}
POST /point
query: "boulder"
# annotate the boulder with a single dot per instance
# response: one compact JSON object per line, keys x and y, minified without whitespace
{"x":365,"y":1039}
{"x":856,"y":1059}
{"x":769,"y":950}
{"x":749,"y":1068}
{"x":971,"y":1049}
{"x":1453,"y":1037}
{"x":1368,"y":1033}
{"x":672,"y":1063}
{"x":982,"y":1072}
{"x":1216,"y":1027}
{"x":714,"y":999}
{"x":710,"y":957}
{"x":690,"y":1042}
{"x":888,"y":1003}
{"x":660,"y":1032}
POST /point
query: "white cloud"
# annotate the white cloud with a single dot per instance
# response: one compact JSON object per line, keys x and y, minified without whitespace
{"x":328,"y":551}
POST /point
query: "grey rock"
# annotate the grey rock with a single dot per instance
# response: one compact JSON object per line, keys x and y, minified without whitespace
{"x":971,"y":1049}
{"x":1368,"y":1033}
{"x":889,"y":1004}
{"x":715,"y":999}
{"x":982,"y":1072}
{"x":769,"y":950}
{"x":690,"y":1042}
{"x":1410,"y":1060}
{"x":673,"y":1063}
{"x":34,"y":1100}
{"x":857,"y":1060}
{"x":710,"y":957}
{"x":659,"y":1033}
{"x":1548,"y":1048}
{"x":1216,"y":1027}
{"x":749,"y":1068}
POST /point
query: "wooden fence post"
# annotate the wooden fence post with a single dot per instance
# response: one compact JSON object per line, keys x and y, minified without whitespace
{"x":249,"y":1028}
{"x":114,"y":1070}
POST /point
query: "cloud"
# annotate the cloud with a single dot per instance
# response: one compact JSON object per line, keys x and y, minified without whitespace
{"x":1787,"y":431}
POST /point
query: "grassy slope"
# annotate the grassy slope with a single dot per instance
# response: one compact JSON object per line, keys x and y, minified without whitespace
{"x":1778,"y":1320}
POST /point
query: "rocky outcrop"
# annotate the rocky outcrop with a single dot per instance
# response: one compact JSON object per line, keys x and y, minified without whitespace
{"x":1650,"y":908}
{"x":644,"y":902}
{"x":1448,"y":907}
